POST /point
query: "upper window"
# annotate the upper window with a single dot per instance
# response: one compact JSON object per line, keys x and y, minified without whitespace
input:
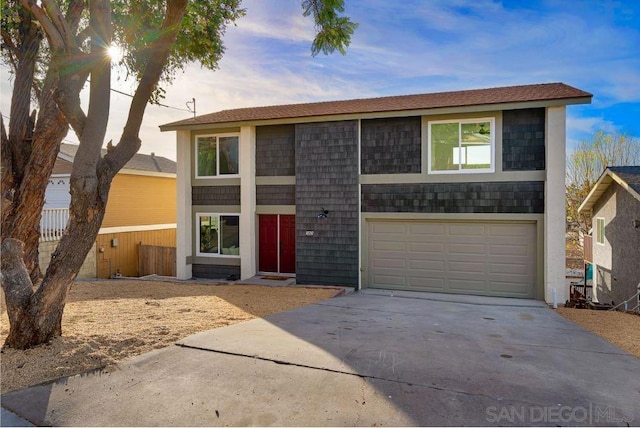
{"x":219,"y":234}
{"x":461,"y":146}
{"x":216,"y":155}
{"x":600,"y":230}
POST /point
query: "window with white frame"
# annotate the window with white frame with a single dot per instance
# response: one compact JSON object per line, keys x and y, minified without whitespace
{"x":600,"y":230}
{"x":218,"y":234}
{"x":217,"y":155}
{"x":465,"y":145}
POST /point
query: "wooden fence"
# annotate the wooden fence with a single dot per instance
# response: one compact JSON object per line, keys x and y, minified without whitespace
{"x":588,"y":248}
{"x":155,"y":259}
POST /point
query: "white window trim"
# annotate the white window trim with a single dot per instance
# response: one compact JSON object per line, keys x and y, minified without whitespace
{"x":195,"y":155}
{"x":492,"y":123}
{"x":197,"y":233}
{"x":604,"y":238}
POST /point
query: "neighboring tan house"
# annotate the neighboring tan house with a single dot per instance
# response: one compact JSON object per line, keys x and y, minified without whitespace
{"x":141,"y":209}
{"x":614,"y":204}
{"x":455,"y":192}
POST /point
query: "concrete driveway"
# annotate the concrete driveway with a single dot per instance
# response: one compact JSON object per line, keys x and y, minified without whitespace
{"x":368,"y":358}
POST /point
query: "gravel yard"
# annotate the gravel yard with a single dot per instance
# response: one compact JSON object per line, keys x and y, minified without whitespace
{"x":618,"y":328}
{"x":107,"y":321}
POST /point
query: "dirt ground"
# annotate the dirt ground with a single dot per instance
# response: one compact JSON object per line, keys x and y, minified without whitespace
{"x":618,"y":328}
{"x":107,"y":321}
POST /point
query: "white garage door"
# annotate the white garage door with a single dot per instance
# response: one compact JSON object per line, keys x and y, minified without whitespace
{"x":492,"y":259}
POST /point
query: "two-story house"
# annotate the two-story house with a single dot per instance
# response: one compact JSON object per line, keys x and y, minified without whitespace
{"x":454,"y":192}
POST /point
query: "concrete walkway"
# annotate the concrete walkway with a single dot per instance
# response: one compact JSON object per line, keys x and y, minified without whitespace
{"x":9,"y":419}
{"x":363,"y":359}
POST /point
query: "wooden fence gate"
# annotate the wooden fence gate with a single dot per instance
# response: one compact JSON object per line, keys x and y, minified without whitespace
{"x":154,"y":259}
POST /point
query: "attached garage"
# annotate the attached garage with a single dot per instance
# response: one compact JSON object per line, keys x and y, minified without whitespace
{"x":482,"y":258}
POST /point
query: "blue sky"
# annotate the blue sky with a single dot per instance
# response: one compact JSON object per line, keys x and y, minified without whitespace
{"x":416,"y":47}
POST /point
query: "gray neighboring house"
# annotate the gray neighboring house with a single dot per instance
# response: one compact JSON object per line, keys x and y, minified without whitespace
{"x":614,"y":203}
{"x":453,"y":192}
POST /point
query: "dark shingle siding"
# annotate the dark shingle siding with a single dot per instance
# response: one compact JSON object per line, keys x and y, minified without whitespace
{"x":522,"y":197}
{"x":391,"y":146}
{"x":215,"y":195}
{"x":275,"y":150}
{"x":327,"y":177}
{"x":523,"y":139}
{"x":215,"y":271}
{"x":276,"y":195}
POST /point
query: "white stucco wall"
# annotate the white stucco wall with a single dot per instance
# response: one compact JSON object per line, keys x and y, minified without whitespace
{"x":184,"y":217}
{"x":247,"y":201}
{"x":554,"y":213}
{"x":616,"y":268}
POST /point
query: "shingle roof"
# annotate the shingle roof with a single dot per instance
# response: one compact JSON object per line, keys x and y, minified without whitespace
{"x":509,"y":94}
{"x":139,"y":161}
{"x":62,"y":166}
{"x":629,"y":174}
{"x":626,"y":176}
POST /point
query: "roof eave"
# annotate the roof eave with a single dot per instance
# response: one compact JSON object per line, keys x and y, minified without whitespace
{"x":177,"y":126}
{"x":65,"y":156}
{"x":596,"y":191}
{"x":601,"y":186}
{"x":132,"y":171}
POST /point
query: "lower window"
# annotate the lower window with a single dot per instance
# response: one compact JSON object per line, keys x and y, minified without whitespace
{"x":218,"y":234}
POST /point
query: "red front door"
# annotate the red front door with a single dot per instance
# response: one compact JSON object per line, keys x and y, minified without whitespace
{"x":287,"y":244}
{"x":277,"y":250}
{"x":268,"y":241}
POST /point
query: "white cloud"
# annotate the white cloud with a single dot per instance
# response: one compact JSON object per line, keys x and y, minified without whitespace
{"x":583,"y":128}
{"x":280,"y":21}
{"x":413,"y":48}
{"x":584,"y":125}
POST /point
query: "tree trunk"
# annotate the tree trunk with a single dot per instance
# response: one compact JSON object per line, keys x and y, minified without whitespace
{"x":36,"y":316}
{"x":29,"y":151}
{"x":25,"y":211}
{"x":35,"y":313}
{"x":16,"y":146}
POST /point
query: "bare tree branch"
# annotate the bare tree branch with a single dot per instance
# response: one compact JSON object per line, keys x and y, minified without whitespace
{"x":55,"y":38}
{"x":20,"y":128}
{"x":84,"y":34}
{"x":73,"y":18}
{"x":8,"y":184}
{"x":11,"y":49}
{"x":74,"y":14}
{"x":83,"y":175}
{"x":58,"y":20}
{"x":68,"y":99}
{"x":587,"y":162}
{"x":130,"y":142}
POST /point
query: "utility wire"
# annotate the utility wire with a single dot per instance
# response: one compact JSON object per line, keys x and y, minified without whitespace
{"x":188,"y":110}
{"x":155,"y":104}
